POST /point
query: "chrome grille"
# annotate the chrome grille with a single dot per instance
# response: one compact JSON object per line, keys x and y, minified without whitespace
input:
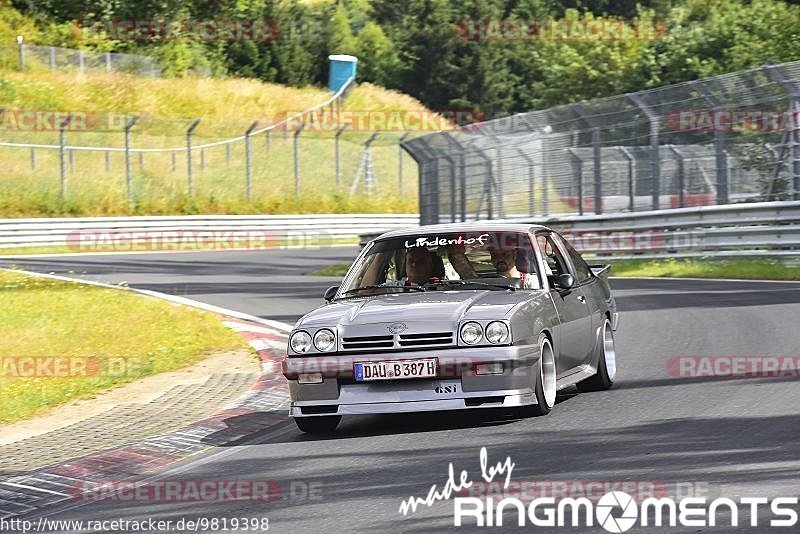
{"x":431,"y":338}
{"x":367,"y":342}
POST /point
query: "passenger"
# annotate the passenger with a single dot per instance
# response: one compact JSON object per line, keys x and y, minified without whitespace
{"x":504,"y":262}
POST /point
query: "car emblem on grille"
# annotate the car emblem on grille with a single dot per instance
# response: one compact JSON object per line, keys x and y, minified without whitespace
{"x":396,"y":328}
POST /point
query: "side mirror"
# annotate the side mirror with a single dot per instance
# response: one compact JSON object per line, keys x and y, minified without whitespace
{"x":566,"y":281}
{"x":330,"y":293}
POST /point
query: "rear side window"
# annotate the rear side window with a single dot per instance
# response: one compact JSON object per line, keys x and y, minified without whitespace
{"x":582,"y":270}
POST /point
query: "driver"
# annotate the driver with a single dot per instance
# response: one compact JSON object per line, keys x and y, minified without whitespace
{"x":419,"y":265}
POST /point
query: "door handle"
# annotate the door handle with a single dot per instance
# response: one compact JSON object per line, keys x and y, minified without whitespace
{"x":581,"y":299}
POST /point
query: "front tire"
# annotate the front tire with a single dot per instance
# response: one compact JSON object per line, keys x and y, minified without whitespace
{"x":545,"y":387}
{"x":318,"y":425}
{"x":606,"y":364}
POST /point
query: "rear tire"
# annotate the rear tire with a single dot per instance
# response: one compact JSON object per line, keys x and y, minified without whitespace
{"x":606,"y":364}
{"x":545,"y":388}
{"x":318,"y":425}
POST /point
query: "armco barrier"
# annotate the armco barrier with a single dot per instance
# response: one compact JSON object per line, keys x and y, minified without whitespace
{"x":748,"y":229}
{"x":280,"y":229}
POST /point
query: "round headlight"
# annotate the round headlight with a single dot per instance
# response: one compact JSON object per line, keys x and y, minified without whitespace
{"x":324,"y":340}
{"x":300,"y":342}
{"x":496,"y":332}
{"x":471,"y":333}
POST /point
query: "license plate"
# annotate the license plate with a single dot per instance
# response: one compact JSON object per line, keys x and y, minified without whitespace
{"x":396,"y":369}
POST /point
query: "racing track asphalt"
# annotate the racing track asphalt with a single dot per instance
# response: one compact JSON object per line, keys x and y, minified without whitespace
{"x":731,"y":437}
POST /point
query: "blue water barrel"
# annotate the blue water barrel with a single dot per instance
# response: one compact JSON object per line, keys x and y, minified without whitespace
{"x":342,"y":68}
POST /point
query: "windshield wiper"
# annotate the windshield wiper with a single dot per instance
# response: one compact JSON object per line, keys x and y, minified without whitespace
{"x":470,"y":283}
{"x":357,"y":289}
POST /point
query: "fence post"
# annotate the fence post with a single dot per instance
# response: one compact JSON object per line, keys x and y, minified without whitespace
{"x":202,"y":159}
{"x":719,"y":143}
{"x":33,"y":159}
{"x":62,"y":142}
{"x":498,"y":183}
{"x":336,"y":153}
{"x":108,"y":161}
{"x":248,"y":160}
{"x":80,"y":61}
{"x":531,"y":182}
{"x":631,"y":177}
{"x":108,"y":61}
{"x":227,"y":154}
{"x":128,"y":179}
{"x":297,"y":159}
{"x":189,"y":131}
{"x":174,"y":161}
{"x":400,"y":162}
{"x":681,"y":176}
{"x":655,"y":155}
{"x":52,"y":58}
{"x":488,"y":185}
{"x":578,"y":166}
{"x":452,"y":164}
{"x":597,"y":156}
{"x":71,"y":160}
{"x":21,"y":49}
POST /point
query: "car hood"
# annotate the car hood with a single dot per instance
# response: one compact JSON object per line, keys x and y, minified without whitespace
{"x":433,"y":306}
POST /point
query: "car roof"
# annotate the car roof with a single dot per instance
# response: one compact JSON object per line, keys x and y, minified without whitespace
{"x":489,"y":226}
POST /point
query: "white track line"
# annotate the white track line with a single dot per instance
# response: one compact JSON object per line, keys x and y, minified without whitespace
{"x":277,"y":325}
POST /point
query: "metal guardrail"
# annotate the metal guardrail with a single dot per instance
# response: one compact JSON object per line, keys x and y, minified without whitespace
{"x":753,"y":229}
{"x":756,"y":229}
{"x":99,"y":232}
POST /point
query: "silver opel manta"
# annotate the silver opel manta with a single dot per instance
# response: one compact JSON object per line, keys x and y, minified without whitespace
{"x":454,"y":317}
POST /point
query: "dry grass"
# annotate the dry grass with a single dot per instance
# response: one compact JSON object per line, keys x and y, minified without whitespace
{"x":111,"y":331}
{"x":227,"y":108}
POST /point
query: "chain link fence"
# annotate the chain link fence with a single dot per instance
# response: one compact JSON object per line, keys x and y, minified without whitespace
{"x":721,"y":140}
{"x":28,"y":57}
{"x":144,"y":164}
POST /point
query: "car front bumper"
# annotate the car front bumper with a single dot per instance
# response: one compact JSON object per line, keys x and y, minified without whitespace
{"x":457,"y":386}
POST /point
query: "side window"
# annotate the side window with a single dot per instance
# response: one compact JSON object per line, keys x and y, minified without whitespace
{"x":582,"y":270}
{"x":553,"y":259}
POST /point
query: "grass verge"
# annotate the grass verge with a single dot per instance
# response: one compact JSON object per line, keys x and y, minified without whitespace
{"x":61,"y":341}
{"x":336,"y":269}
{"x":749,"y":269}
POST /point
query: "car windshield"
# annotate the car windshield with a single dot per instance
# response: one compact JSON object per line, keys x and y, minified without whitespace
{"x":445,"y":261}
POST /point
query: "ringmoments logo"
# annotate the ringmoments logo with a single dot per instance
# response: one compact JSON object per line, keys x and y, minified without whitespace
{"x":615,"y":511}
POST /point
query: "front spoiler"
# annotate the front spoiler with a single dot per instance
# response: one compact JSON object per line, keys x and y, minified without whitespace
{"x":508,"y":401}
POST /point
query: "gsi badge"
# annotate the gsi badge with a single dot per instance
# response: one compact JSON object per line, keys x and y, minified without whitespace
{"x":445,"y":389}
